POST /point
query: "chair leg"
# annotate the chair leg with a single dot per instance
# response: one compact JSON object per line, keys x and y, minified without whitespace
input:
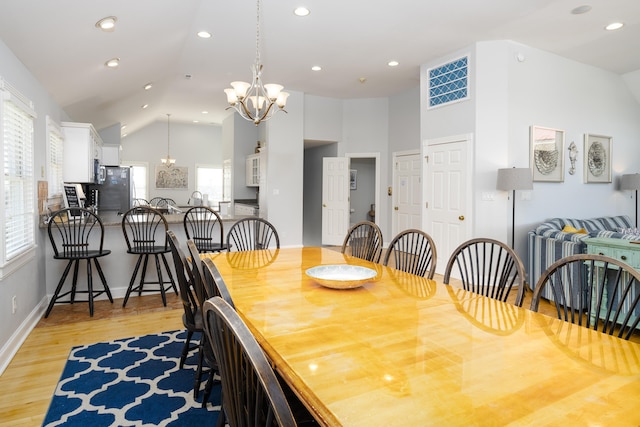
{"x":222,"y":418}
{"x":173,"y":283}
{"x":196,"y":384}
{"x":58,"y":288}
{"x":76,"y":264}
{"x":90,"y":287}
{"x":207,"y":388}
{"x":103,"y":279}
{"x":160,"y":281}
{"x":132,"y":281}
{"x":185,"y":349}
{"x":144,"y":273}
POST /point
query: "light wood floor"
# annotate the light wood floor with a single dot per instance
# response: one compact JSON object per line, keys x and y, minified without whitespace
{"x":30,"y":379}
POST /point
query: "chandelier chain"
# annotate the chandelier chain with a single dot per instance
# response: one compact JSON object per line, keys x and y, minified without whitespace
{"x":258,"y":32}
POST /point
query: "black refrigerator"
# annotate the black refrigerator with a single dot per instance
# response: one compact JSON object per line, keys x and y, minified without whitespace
{"x":116,"y":191}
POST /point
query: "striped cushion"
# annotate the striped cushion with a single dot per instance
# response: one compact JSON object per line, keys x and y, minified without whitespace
{"x":614,"y":222}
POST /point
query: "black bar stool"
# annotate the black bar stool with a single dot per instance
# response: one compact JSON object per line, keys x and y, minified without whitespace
{"x":77,"y":234}
{"x":145,"y":231}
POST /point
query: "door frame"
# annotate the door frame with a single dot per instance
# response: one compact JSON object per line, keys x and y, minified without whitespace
{"x":376,"y":157}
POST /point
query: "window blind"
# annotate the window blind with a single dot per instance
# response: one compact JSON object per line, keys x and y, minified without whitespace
{"x":18,"y":178}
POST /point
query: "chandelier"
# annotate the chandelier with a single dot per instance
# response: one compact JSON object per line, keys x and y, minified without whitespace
{"x":265,"y":99}
{"x":168,"y":161}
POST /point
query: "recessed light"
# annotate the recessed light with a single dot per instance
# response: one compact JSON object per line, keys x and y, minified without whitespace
{"x":123,"y":127}
{"x":107,"y":24}
{"x":393,"y":63}
{"x":123,"y":135}
{"x":112,"y":63}
{"x":614,"y":26}
{"x":145,"y":106}
{"x":204,"y":34}
{"x":148,"y":86}
{"x":205,"y":112}
{"x":196,"y":121}
{"x":581,"y":9}
{"x":316,"y":68}
{"x":301,"y":11}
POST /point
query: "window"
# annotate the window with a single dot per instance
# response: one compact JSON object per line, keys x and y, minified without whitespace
{"x":55,"y":160}
{"x":139,"y":179}
{"x":17,"y":218}
{"x":209,"y":182}
{"x":449,"y":82}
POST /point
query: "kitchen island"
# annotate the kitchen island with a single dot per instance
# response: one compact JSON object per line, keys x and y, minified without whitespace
{"x":118,"y":265}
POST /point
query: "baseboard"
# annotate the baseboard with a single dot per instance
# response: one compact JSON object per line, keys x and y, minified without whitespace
{"x":20,"y":335}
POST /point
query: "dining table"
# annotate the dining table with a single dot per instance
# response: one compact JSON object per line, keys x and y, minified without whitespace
{"x":403,"y":350}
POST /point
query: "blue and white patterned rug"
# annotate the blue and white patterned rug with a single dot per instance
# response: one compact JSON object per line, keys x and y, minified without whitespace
{"x":131,"y":382}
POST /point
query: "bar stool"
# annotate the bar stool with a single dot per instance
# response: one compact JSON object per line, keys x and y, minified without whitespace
{"x":200,"y":225}
{"x":77,"y":234}
{"x":145,"y":231}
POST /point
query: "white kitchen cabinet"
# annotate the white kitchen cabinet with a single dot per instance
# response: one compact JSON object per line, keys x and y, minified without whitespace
{"x":253,"y":170}
{"x":82,"y":150}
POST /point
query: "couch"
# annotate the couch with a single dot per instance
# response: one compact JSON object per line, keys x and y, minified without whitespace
{"x":548,"y":242}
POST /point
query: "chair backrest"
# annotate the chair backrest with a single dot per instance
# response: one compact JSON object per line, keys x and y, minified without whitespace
{"x":197,"y":273}
{"x":158,"y":202}
{"x":140,"y":202}
{"x":200,"y":224}
{"x":414,"y":252}
{"x":595,"y":291}
{"x":145,"y":229}
{"x":488,"y":267}
{"x":189,"y":300}
{"x":215,"y":285}
{"x":364,"y":240}
{"x":251,"y":394}
{"x":252,"y":233}
{"x":75,"y":233}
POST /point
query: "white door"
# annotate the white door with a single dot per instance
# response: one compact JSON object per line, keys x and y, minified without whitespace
{"x":447,"y":213}
{"x":335,"y":200}
{"x":407,"y":189}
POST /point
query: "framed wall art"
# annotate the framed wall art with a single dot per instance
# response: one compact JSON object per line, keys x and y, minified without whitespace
{"x":353,"y":179}
{"x":175,"y":177}
{"x":547,"y":154}
{"x":597,"y":158}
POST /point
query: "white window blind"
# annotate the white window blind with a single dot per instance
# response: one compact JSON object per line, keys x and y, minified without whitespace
{"x":56,"y":144}
{"x":17,"y":120}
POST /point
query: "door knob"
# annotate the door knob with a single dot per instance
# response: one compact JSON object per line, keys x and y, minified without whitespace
{"x":324,"y":206}
{"x":395,"y":208}
{"x":461,"y":217}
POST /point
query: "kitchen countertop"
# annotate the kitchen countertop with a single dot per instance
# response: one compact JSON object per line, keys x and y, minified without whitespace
{"x":113,"y":218}
{"x":248,"y":202}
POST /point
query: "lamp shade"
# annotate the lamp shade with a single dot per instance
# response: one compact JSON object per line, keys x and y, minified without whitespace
{"x":630,"y":181}
{"x":515,"y":179}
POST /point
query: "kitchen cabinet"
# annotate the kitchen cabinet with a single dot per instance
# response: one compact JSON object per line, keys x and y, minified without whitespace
{"x":241,"y":209}
{"x":82,"y":152}
{"x":253,"y":170}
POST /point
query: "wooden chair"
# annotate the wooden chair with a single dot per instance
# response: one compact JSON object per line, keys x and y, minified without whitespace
{"x":215,"y":287}
{"x":201,"y":224}
{"x":205,"y":355}
{"x":488,"y":267}
{"x":140,"y":202}
{"x":413,"y":252}
{"x":192,"y":317}
{"x":364,"y":240}
{"x":145,"y":232}
{"x":158,"y":202}
{"x":594,"y":291}
{"x":252,"y":234}
{"x":251,"y":393}
{"x":77,"y":234}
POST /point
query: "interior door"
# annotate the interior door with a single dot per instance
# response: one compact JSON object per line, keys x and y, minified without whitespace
{"x":335,"y":200}
{"x":447,"y":212}
{"x":407,"y":189}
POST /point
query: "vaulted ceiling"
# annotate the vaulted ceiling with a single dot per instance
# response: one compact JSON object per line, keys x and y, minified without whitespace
{"x":351,"y":40}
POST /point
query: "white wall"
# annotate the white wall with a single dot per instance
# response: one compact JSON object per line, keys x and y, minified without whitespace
{"x":322,"y":118}
{"x":507,"y":97}
{"x":27,"y":284}
{"x":190,"y":144}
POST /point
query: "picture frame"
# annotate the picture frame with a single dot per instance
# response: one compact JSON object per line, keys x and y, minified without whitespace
{"x":353,"y":179}
{"x":597,"y":158}
{"x":547,"y":154}
{"x":174,"y":177}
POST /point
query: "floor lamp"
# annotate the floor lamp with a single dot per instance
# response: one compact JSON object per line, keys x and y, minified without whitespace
{"x":512,"y":179}
{"x":631,"y":182}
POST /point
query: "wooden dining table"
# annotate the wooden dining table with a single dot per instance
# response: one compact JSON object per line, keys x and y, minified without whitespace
{"x":402,"y":350}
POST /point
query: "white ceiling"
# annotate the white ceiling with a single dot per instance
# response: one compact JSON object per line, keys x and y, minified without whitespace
{"x":156,"y":42}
